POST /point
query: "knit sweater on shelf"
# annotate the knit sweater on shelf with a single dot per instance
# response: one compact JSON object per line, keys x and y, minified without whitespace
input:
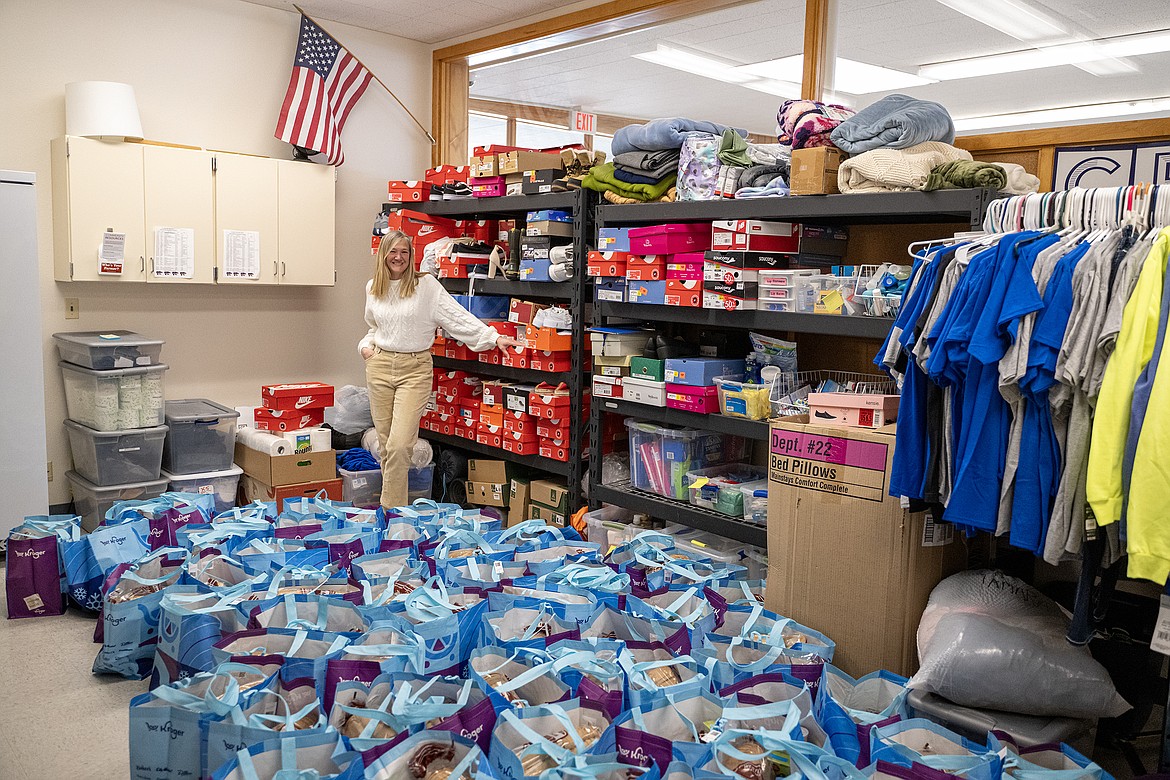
{"x":408,"y":324}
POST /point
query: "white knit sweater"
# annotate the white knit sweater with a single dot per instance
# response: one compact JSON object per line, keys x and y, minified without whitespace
{"x":408,"y":325}
{"x":883,"y":170}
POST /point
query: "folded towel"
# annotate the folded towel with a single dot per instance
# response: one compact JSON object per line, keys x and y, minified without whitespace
{"x":759,"y":175}
{"x":806,"y":123}
{"x":894,"y":122}
{"x":776,"y":188}
{"x":1019,"y":181}
{"x":623,"y":174}
{"x":601,"y":179}
{"x":733,"y":149}
{"x":613,"y":197}
{"x":650,"y":162}
{"x":662,"y":134}
{"x":962,"y":174}
{"x":885,"y":170}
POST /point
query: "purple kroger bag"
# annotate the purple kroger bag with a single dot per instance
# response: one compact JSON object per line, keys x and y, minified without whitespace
{"x":384,"y":649}
{"x":657,"y":731}
{"x":34,"y":578}
{"x":347,"y":544}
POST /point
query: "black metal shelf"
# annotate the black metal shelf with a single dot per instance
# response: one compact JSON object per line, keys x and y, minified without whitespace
{"x":499,"y":286}
{"x":828,"y":324}
{"x":501,"y":372}
{"x":624,"y":495}
{"x":749,"y":429}
{"x":508,"y":206}
{"x":965,"y":206}
{"x":532,"y":461}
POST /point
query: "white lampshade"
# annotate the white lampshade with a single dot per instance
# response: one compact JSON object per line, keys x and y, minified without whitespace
{"x":97,"y":109}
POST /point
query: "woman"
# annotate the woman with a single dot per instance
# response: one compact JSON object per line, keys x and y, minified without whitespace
{"x":403,"y":309}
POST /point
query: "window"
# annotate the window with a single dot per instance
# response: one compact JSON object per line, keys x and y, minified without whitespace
{"x":484,"y":129}
{"x":539,"y":135}
{"x":601,"y":143}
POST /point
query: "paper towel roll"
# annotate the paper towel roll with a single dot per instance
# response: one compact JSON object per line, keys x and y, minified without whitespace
{"x":309,"y":440}
{"x":262,"y":441}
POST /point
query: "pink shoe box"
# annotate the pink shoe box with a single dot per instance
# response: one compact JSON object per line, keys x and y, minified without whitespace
{"x":701,"y":400}
{"x":671,"y":238}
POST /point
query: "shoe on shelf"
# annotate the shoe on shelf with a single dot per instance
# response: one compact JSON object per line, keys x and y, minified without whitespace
{"x":554,"y":317}
{"x":457,"y":190}
{"x":436,"y":192}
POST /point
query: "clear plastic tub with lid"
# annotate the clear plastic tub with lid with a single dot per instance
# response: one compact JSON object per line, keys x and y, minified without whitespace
{"x":91,"y":501}
{"x":719,"y":488}
{"x":105,"y":350}
{"x":221,"y":484}
{"x":114,"y":400}
{"x":202,"y":436}
{"x":660,"y":457}
{"x":116,"y":457}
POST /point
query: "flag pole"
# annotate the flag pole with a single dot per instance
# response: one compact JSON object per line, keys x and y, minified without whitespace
{"x":426,"y":132}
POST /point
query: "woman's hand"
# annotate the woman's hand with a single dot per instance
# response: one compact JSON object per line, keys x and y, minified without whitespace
{"x":367,"y":353}
{"x":503,"y":343}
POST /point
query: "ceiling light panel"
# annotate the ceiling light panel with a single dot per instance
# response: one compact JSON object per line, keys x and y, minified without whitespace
{"x":850,"y":76}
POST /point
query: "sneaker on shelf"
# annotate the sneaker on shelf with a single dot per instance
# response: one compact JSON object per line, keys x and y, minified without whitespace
{"x":436,"y":192}
{"x":457,"y":190}
{"x":554,"y":317}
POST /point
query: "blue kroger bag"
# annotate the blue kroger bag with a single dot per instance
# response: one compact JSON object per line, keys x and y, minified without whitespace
{"x":762,"y":701}
{"x":296,"y":756}
{"x":848,"y":709}
{"x":257,"y":510}
{"x":346,"y":544}
{"x":221,"y":537}
{"x":749,"y":592}
{"x":700,"y":609}
{"x":759,"y":625}
{"x":191,"y":621}
{"x":260,"y":556}
{"x":389,"y":563}
{"x":610,"y":623}
{"x":384,"y":596}
{"x":446,"y":620}
{"x":666,"y":728}
{"x":92,"y":558}
{"x":774,"y":733}
{"x":519,"y":678}
{"x":534,"y":531}
{"x":384,"y":649}
{"x":272,"y":711}
{"x":738,"y":659}
{"x":600,"y":767}
{"x":662,"y":675}
{"x":311,"y":611}
{"x":526,"y":627}
{"x":216,"y":573}
{"x":1045,"y":762}
{"x":429,"y":752}
{"x":301,"y":654}
{"x":521,"y":746}
{"x":567,"y":602}
{"x":920,"y":741}
{"x":593,"y":671}
{"x":130,"y":612}
{"x":483,"y":572}
{"x":597,"y":578}
{"x":168,"y":726}
{"x":545,"y":557}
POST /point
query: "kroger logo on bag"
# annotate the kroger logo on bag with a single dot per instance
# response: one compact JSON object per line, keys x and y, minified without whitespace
{"x":34,"y":554}
{"x":114,"y":540}
{"x":166,"y":728}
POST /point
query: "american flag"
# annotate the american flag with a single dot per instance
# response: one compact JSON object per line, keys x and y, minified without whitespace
{"x":326,"y":83}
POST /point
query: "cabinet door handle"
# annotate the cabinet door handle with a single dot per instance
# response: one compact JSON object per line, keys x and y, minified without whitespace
{"x":142,"y":260}
{"x":282,"y":268}
{"x":274,"y":268}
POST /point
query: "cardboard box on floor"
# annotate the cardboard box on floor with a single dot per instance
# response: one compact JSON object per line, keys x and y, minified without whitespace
{"x":518,"y":502}
{"x":488,"y":493}
{"x":497,"y":471}
{"x":844,"y":557}
{"x":286,"y":469}
{"x":554,"y":495}
{"x":255,"y":490}
{"x":547,"y":514}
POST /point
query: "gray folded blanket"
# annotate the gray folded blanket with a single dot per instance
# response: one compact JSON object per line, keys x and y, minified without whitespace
{"x":894,"y":122}
{"x":662,"y":134}
{"x":647,"y":161}
{"x":760,"y":175}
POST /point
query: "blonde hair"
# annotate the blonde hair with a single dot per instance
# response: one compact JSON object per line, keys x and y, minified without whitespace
{"x":381,"y":284}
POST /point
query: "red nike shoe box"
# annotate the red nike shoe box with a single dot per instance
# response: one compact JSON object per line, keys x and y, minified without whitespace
{"x":297,"y":396}
{"x":276,"y":420}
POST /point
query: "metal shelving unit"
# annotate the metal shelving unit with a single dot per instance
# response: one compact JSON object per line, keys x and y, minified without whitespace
{"x":576,"y":292}
{"x":502,"y":372}
{"x":954,"y":206}
{"x":828,"y":324}
{"x":679,"y":512}
{"x":532,"y":461}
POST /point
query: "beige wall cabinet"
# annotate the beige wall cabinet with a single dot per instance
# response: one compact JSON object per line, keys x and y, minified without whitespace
{"x":191,"y":216}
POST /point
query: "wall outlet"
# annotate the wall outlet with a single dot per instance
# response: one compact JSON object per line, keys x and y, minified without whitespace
{"x":50,"y":471}
{"x":72,"y":308}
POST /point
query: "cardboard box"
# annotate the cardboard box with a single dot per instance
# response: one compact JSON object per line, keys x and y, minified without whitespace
{"x":297,"y":396}
{"x":488,"y":493}
{"x":613,"y":239}
{"x":483,"y":470}
{"x":516,"y":397}
{"x":286,"y":469}
{"x":823,"y":240}
{"x":555,"y":449}
{"x":853,"y":409}
{"x":277,"y":420}
{"x":646,"y":268}
{"x":491,"y":415}
{"x":493,"y":393}
{"x":547,"y":514}
{"x":612,"y":366}
{"x":483,"y":165}
{"x":538,"y":186}
{"x":758,"y":261}
{"x":611,"y":289}
{"x":516,"y":357}
{"x":521,"y":161}
{"x":520,"y":422}
{"x":648,"y":368}
{"x":647,"y":292}
{"x":553,"y":362}
{"x":683,"y":293}
{"x":255,"y":490}
{"x":523,"y":311}
{"x":407,"y":191}
{"x":445,"y":174}
{"x":618,"y":342}
{"x":644,"y":391}
{"x":700,"y":371}
{"x":814,"y":170}
{"x":843,"y":555}
{"x":549,"y":228}
{"x":521,"y":447}
{"x":548,"y":339}
{"x":550,"y":402}
{"x":552,"y":429}
{"x":518,"y":502}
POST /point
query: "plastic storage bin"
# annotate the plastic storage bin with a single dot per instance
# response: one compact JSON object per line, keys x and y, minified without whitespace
{"x":743,"y":399}
{"x":755,"y":504}
{"x":364,"y":488}
{"x":202,"y":436}
{"x":116,"y":457}
{"x":92,"y":501}
{"x":109,"y":349}
{"x":419,"y":482}
{"x":114,"y":400}
{"x":728,"y":551}
{"x":661,"y":457}
{"x":606,"y":522}
{"x":719,"y":488}
{"x":221,"y":484}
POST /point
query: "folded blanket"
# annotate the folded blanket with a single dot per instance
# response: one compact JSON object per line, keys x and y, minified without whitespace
{"x":894,"y":122}
{"x":1019,"y":181}
{"x":733,"y":149}
{"x":963,"y":174}
{"x":759,"y":175}
{"x":623,"y":174}
{"x":776,"y":188}
{"x":662,"y":134}
{"x":806,"y":123}
{"x":885,"y":170}
{"x":613,"y":197}
{"x":651,"y":162}
{"x":601,"y":179}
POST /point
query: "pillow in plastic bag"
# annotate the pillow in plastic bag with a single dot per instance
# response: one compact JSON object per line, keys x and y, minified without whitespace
{"x":992,"y":641}
{"x":350,"y":412}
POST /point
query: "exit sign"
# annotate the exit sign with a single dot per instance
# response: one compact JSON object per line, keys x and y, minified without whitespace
{"x":584,"y":123}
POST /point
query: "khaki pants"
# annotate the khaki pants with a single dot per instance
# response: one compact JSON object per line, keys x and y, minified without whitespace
{"x":400,"y":386}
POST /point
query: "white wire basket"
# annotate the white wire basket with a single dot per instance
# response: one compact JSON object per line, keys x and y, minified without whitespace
{"x":789,"y":392}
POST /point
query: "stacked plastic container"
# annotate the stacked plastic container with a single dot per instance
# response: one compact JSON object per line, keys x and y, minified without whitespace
{"x":198,"y":450}
{"x":114,"y":395}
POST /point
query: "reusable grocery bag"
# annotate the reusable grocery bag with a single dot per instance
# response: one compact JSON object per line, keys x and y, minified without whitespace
{"x":302,"y":654}
{"x":609,"y":623}
{"x":528,"y":741}
{"x":545,"y":557}
{"x":130,"y":612}
{"x":382,"y":650}
{"x":1045,"y":762}
{"x":388,"y":563}
{"x":663,"y":675}
{"x":526,"y":627}
{"x":169,"y":725}
{"x":311,"y":611}
{"x":600,"y":767}
{"x":90,"y":559}
{"x":191,"y":621}
{"x":667,"y":727}
{"x":700,"y":609}
{"x":740,"y":659}
{"x":274,"y":711}
{"x":593,"y":671}
{"x":448,"y":622}
{"x":431,"y":754}
{"x":346,"y":544}
{"x":261,"y":556}
{"x":759,"y":625}
{"x":534,"y":531}
{"x":216,"y":572}
{"x":567,"y":602}
{"x":300,"y":756}
{"x":221,"y":537}
{"x":761,"y":702}
{"x":848,"y":709}
{"x":34,"y":578}
{"x":921,"y":741}
{"x":519,"y":678}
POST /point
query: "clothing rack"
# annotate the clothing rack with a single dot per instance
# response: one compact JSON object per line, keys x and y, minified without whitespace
{"x":1096,"y":208}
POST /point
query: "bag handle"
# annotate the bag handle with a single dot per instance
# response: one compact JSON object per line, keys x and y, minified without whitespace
{"x":292,"y":614}
{"x":162,"y":552}
{"x":539,"y":743}
{"x":770,"y":657}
